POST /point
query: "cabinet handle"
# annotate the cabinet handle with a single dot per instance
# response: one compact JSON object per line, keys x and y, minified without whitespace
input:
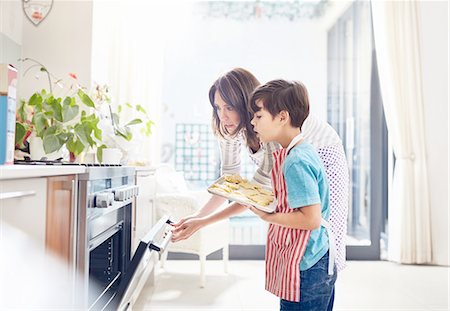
{"x":144,"y":175}
{"x":74,"y":224}
{"x":16,"y":194}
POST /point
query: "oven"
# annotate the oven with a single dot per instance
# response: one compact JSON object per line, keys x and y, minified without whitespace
{"x":105,"y":265}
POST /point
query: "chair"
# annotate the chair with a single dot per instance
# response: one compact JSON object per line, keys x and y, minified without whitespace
{"x":173,"y":198}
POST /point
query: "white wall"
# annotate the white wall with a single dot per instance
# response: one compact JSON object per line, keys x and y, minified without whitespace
{"x":62,"y":42}
{"x":434,"y":46}
{"x":202,"y":49}
{"x":10,"y":32}
{"x":11,"y":19}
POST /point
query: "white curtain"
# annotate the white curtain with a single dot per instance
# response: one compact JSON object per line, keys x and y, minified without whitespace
{"x":397,"y":42}
{"x":128,"y":50}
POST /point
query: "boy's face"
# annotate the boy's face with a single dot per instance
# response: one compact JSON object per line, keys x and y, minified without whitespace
{"x":265,"y":126}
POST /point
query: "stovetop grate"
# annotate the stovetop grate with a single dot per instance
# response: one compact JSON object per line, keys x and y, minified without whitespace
{"x":59,"y":162}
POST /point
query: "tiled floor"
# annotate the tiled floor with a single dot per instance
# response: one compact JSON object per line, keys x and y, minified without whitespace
{"x":363,"y":286}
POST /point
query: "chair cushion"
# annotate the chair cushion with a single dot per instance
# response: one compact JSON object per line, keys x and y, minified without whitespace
{"x":168,"y":180}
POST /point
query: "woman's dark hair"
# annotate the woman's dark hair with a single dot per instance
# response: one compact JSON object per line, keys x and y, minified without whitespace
{"x":279,"y":95}
{"x":235,"y":88}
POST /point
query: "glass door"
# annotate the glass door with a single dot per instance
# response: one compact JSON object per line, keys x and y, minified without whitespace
{"x":355,"y":111}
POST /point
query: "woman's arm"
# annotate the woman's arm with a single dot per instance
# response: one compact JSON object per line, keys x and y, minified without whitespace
{"x":307,"y":218}
{"x":211,"y":206}
{"x":185,"y":229}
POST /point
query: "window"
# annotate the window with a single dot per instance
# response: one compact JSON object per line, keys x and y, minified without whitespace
{"x":355,"y":111}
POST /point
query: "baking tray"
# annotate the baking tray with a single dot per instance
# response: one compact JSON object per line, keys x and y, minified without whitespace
{"x":240,"y":198}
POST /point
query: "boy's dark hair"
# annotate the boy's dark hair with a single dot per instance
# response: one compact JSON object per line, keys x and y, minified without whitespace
{"x":279,"y":95}
{"x":235,"y":87}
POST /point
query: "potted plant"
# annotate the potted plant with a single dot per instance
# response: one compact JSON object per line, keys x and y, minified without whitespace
{"x":120,"y":123}
{"x":59,"y":120}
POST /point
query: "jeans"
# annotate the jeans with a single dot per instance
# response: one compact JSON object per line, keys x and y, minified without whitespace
{"x":316,"y":289}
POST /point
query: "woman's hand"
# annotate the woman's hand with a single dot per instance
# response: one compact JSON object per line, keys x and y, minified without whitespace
{"x":183,"y":220}
{"x":185,"y":228}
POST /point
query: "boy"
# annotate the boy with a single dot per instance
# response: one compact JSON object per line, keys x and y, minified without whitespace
{"x":299,"y":266}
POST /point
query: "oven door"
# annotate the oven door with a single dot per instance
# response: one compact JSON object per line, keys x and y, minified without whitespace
{"x":142,"y":265}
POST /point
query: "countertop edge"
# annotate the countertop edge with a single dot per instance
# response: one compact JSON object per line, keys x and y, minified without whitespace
{"x":8,"y":172}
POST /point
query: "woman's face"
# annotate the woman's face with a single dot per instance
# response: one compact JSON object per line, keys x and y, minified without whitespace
{"x":228,"y":116}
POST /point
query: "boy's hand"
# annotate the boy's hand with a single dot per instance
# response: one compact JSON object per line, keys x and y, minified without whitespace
{"x":259,"y":213}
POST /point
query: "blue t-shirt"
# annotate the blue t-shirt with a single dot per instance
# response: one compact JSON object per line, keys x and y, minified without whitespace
{"x":307,"y":185}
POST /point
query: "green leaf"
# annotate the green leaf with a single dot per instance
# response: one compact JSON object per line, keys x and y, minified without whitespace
{"x":69,"y":112}
{"x":84,"y":131}
{"x":115,"y":117}
{"x":119,"y":108}
{"x":100,"y":152}
{"x":98,"y":133}
{"x":40,"y":123}
{"x":51,"y":143}
{"x":80,"y":132}
{"x":129,"y":105}
{"x":125,"y":133}
{"x":141,"y":109}
{"x":35,"y":100}
{"x":63,"y":137}
{"x":57,"y":110}
{"x":51,"y":130}
{"x":148,"y":127}
{"x":21,"y":111}
{"x":135,"y":121}
{"x":86,"y":99}
{"x":67,"y":101}
{"x":76,"y":147}
{"x":48,"y":102}
{"x":21,"y":131}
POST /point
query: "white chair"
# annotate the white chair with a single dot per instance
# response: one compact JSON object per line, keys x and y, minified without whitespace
{"x":173,"y":198}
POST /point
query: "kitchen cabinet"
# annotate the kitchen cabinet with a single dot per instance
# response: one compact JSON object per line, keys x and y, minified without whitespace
{"x":61,"y":216}
{"x":23,"y":205}
{"x":44,"y":209}
{"x":143,"y":215}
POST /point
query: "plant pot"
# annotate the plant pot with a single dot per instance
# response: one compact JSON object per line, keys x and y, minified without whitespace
{"x":78,"y":159}
{"x":111,"y":156}
{"x":37,"y":150}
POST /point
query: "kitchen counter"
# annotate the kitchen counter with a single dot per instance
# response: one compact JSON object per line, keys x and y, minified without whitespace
{"x":29,"y":171}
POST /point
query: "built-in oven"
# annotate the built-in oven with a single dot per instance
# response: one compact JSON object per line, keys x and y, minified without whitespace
{"x":141,"y":265}
{"x":106,"y":198}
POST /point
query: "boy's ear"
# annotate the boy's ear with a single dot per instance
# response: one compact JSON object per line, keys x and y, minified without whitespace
{"x":284,"y":116}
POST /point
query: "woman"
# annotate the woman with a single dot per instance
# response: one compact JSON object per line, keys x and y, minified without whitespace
{"x":229,"y":97}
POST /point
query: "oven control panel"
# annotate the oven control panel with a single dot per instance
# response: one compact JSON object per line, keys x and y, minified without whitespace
{"x":125,"y":193}
{"x":106,"y":198}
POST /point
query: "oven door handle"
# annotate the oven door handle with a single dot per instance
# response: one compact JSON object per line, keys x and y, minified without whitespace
{"x":99,"y":239}
{"x":162,"y":247}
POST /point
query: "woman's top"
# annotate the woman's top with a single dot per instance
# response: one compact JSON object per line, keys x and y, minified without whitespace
{"x":315,"y":132}
{"x":329,"y":146}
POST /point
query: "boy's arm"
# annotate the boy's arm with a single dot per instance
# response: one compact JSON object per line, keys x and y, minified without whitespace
{"x":307,"y":217}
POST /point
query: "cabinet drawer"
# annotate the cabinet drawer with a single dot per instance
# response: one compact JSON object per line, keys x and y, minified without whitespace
{"x":23,"y":205}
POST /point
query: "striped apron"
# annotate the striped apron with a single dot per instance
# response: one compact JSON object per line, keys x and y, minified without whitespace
{"x":285,"y":246}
